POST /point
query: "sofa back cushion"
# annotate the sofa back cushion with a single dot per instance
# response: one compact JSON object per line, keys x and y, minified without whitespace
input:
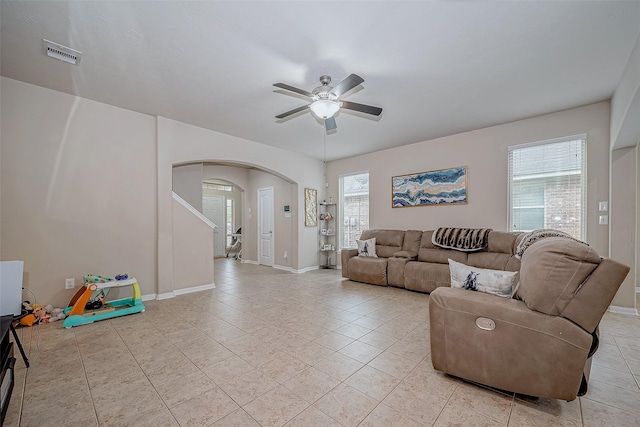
{"x":552,"y":271}
{"x":412,"y":241}
{"x":430,"y":253}
{"x":499,"y":254}
{"x":388,"y":242}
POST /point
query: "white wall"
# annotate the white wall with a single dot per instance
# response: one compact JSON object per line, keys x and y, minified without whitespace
{"x":187,"y":183}
{"x":77,"y":186}
{"x":180,"y":143}
{"x":625,"y":104}
{"x":484,"y":152}
{"x":285,"y":229}
{"x":625,"y":133}
{"x":192,"y":250}
{"x":623,"y":215}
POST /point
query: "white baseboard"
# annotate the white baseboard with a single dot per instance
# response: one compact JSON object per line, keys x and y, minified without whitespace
{"x":177,"y":292}
{"x":248,"y":261}
{"x":166,"y":295}
{"x":623,"y":310}
{"x":195,"y":289}
{"x":304,"y":270}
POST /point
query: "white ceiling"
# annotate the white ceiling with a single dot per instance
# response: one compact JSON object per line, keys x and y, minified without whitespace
{"x":436,"y":68}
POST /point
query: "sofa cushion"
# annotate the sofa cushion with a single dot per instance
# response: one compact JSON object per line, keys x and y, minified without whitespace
{"x":426,"y":276}
{"x":367,"y":247}
{"x":430,"y":253}
{"x":504,"y":242}
{"x":496,"y":282}
{"x":388,"y":242}
{"x":411,"y":241}
{"x":368,"y":270}
{"x":552,"y":271}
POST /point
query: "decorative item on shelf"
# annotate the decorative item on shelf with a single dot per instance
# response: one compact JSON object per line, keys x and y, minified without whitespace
{"x":326,"y":216}
{"x":326,"y":247}
{"x":330,"y":232}
{"x":324,"y":232}
{"x":330,"y":200}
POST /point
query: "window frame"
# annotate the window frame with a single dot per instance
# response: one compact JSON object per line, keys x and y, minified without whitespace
{"x":546,"y":174}
{"x":341,"y":205}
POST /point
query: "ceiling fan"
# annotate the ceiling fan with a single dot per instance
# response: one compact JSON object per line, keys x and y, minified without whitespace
{"x":326,"y":100}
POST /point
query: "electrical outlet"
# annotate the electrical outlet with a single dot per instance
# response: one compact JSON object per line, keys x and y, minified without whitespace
{"x":69,"y":283}
{"x":285,"y":254}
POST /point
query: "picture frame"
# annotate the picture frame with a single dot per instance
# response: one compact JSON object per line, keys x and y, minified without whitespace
{"x":310,"y":207}
{"x":432,"y":188}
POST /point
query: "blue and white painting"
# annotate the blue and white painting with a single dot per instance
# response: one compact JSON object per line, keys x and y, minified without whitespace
{"x":439,"y":187}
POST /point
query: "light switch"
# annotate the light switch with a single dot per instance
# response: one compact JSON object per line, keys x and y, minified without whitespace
{"x":603,"y":220}
{"x":603,"y":206}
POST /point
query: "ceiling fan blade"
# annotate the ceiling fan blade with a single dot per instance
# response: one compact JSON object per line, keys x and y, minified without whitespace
{"x":346,"y":85}
{"x":330,"y":123}
{"x":369,"y":109}
{"x":293,"y":89}
{"x":292,"y":112}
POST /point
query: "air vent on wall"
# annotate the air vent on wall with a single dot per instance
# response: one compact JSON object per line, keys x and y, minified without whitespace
{"x":60,"y":52}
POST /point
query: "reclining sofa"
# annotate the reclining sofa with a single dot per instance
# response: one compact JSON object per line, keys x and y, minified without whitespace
{"x":538,"y":343}
{"x":409,"y":259}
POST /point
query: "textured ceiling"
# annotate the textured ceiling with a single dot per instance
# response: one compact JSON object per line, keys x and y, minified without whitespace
{"x":436,"y":68}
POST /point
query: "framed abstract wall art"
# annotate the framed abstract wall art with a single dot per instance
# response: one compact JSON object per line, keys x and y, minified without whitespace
{"x":438,"y":187}
{"x":310,"y":207}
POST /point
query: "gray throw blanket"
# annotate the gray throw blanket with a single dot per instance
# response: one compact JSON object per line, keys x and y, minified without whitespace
{"x":461,"y":239}
{"x":533,"y":236}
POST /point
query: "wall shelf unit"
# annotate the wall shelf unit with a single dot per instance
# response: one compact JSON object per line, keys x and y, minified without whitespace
{"x":327,"y":214}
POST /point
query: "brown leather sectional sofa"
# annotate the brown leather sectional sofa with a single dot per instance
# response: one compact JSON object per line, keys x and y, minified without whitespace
{"x":538,"y":343}
{"x":408,"y":259}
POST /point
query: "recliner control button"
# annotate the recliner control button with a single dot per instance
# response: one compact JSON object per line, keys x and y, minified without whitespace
{"x":485,"y":324}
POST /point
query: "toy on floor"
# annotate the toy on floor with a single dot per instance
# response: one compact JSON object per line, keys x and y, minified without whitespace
{"x":39,"y":314}
{"x":89,"y":303}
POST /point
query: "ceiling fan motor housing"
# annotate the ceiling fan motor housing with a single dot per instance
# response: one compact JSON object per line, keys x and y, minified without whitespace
{"x":323,"y":92}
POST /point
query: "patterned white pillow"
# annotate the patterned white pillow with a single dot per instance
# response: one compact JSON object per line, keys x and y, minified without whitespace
{"x":496,"y":282}
{"x":367,"y":247}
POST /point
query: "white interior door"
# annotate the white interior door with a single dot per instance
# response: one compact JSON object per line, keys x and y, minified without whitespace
{"x":213,"y":208}
{"x":265,"y":226}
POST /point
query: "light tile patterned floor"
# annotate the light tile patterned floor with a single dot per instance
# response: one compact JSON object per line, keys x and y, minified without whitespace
{"x":272,"y":348}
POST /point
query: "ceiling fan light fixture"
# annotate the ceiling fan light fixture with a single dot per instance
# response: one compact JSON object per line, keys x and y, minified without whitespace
{"x":324,"y":108}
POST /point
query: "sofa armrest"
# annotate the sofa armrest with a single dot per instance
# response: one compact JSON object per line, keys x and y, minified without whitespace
{"x":500,"y":342}
{"x":345,"y":255}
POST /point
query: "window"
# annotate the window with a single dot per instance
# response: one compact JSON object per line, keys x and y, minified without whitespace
{"x":547,"y":186}
{"x":354,"y":208}
{"x":218,"y":187}
{"x":229,"y":221}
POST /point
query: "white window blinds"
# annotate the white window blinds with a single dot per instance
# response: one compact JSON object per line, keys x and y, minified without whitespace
{"x":354,"y":208}
{"x":547,"y":186}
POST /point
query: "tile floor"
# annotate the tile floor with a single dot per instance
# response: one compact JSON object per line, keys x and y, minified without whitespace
{"x":271,"y":348}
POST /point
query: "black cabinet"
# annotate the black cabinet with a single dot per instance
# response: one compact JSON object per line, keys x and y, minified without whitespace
{"x":7,"y":362}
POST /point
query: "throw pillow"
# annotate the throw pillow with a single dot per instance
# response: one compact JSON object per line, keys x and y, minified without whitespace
{"x":496,"y":282}
{"x":367,"y":247}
